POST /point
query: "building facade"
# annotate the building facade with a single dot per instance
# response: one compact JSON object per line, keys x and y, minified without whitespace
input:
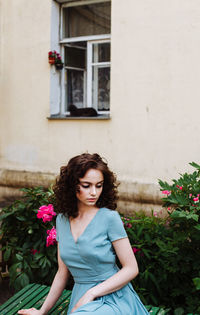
{"x":135,"y":63}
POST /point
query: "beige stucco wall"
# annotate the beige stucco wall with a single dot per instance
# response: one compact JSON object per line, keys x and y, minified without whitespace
{"x":154,"y":126}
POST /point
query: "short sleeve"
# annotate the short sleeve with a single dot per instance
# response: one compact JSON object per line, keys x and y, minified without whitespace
{"x":116,"y":229}
{"x":57,"y":227}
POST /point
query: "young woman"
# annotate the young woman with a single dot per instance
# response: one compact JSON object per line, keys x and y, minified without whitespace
{"x":90,"y":234}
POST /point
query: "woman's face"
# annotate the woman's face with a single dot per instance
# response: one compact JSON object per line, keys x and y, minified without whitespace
{"x":90,"y":187}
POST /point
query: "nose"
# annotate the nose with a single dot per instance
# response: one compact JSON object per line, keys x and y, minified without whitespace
{"x":93,"y":191}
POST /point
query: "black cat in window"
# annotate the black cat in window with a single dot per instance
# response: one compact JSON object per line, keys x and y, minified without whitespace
{"x":82,"y":112}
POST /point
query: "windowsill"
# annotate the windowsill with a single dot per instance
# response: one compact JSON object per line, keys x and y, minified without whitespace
{"x":62,"y":117}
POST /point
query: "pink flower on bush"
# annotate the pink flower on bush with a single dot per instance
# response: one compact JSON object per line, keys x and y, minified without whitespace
{"x":46,"y":213}
{"x":128,"y":225}
{"x":167,"y":223}
{"x":34,"y":251}
{"x":51,"y":238}
{"x":180,"y":187}
{"x":196,"y":199}
{"x":135,"y":250}
{"x":190,"y":195}
{"x":155,"y":214}
{"x":166,"y":192}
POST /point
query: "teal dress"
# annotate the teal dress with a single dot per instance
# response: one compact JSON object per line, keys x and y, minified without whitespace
{"x":91,"y":260}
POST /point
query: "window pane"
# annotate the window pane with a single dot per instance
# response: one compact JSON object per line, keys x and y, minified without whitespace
{"x":101,"y":88}
{"x":101,"y":52}
{"x":75,"y":88}
{"x":92,"y":19}
{"x":75,"y":57}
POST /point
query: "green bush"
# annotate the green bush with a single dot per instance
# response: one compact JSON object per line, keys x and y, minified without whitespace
{"x":23,"y":238}
{"x":168,"y":250}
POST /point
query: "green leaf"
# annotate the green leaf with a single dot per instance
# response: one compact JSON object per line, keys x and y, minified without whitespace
{"x":164,"y":185}
{"x":14,"y":269}
{"x":20,"y":218}
{"x":22,"y":280}
{"x":19,"y":257}
{"x":5,"y":215}
{"x":197,"y":227}
{"x":179,"y":311}
{"x":146,"y":253}
{"x":193,"y":216}
{"x":196,"y":282}
{"x":154,"y":280}
{"x":184,"y":214}
{"x":7,"y":254}
{"x":197,"y":166}
{"x":38,"y":256}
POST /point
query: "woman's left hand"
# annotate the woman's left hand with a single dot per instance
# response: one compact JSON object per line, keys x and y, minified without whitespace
{"x":86,"y":298}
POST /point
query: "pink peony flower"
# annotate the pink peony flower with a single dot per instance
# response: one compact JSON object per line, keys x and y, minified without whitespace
{"x":190,"y":195}
{"x":46,"y":213}
{"x":196,"y":199}
{"x":166,"y":192}
{"x":51,"y":238}
{"x":180,"y":187}
{"x":135,"y":250}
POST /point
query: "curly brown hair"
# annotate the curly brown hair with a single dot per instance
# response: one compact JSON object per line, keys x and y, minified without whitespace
{"x":66,"y":184}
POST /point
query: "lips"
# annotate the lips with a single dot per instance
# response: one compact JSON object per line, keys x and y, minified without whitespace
{"x":91,"y":199}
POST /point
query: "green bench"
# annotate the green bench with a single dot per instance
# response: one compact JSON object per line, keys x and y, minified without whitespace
{"x":33,"y":295}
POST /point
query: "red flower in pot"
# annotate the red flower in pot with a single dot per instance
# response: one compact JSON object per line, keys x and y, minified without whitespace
{"x":52,"y":57}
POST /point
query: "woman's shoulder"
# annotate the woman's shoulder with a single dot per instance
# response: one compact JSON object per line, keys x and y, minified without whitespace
{"x":61,"y":218}
{"x":114,"y":224}
{"x":109,"y":213}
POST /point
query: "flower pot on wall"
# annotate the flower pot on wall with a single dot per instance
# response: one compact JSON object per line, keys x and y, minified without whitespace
{"x":52,"y":61}
{"x":59,"y":66}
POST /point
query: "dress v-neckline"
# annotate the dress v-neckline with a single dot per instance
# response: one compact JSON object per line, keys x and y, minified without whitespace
{"x":76,"y":241}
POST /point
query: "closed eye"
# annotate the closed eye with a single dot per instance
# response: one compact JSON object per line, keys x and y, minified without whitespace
{"x":85,"y":186}
{"x":99,"y":185}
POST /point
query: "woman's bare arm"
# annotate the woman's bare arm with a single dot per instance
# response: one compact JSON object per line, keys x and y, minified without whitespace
{"x":128,"y":271}
{"x":56,"y":290}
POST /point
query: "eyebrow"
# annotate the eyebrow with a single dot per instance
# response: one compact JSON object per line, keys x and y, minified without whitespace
{"x":86,"y":182}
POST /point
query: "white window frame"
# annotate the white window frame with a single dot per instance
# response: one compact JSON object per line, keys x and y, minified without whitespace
{"x":103,"y":38}
{"x":90,"y":64}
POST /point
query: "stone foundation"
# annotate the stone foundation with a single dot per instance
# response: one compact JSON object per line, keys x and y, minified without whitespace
{"x":132,"y":196}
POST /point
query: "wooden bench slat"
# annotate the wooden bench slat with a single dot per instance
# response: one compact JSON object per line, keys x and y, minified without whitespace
{"x":62,"y":303}
{"x":154,"y":310}
{"x":39,"y":299}
{"x":33,"y":295}
{"x":163,"y":311}
{"x":16,"y":296}
{"x":22,"y":301}
{"x":148,"y":307}
{"x":15,"y":300}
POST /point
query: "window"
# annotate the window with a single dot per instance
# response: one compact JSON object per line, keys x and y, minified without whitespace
{"x":85,"y":46}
